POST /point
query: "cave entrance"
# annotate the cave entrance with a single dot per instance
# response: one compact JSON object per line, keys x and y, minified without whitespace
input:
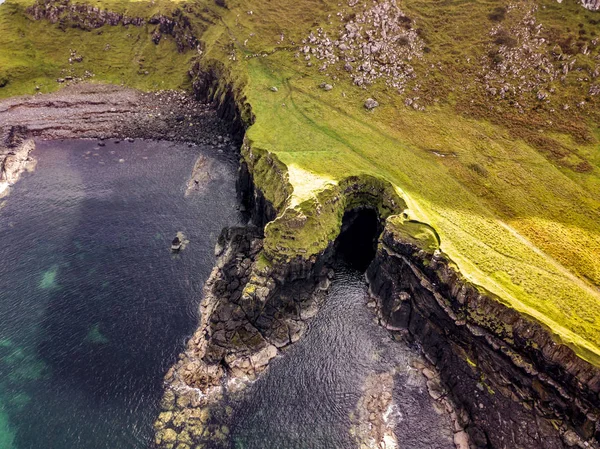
{"x":357,"y":243}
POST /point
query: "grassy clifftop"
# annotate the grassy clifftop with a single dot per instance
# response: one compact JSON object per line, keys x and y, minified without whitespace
{"x":487,"y":125}
{"x":35,"y":53}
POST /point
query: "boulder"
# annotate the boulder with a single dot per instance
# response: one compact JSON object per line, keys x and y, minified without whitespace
{"x":371,"y":104}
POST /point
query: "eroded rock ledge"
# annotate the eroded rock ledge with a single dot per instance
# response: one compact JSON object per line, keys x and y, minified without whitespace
{"x":248,"y":314}
{"x":519,"y":387}
{"x":87,"y":17}
{"x":15,"y":157}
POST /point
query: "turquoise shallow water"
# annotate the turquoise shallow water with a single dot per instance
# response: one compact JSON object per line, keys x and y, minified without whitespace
{"x":93,"y":306}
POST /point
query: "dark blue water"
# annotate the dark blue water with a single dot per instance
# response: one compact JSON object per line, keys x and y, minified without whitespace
{"x":310,"y":397}
{"x":93,"y":305}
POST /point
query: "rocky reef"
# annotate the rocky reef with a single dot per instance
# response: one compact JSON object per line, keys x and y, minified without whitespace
{"x":15,"y":158}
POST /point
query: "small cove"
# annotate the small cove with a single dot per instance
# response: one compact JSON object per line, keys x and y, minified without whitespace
{"x":310,"y":396}
{"x":93,"y":305}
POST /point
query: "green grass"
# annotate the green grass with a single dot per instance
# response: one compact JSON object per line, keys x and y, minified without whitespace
{"x":37,"y":54}
{"x":526,"y":231}
{"x":511,"y":185}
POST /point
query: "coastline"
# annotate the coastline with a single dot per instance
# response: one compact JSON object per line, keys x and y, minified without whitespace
{"x":261,"y":275}
{"x":558,"y":392}
{"x":102,"y":111}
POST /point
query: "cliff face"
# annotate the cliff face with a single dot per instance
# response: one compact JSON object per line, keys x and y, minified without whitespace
{"x":518,"y":385}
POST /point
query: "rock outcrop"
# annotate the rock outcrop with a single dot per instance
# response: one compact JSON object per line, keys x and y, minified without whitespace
{"x":15,"y":157}
{"x":87,"y":17}
{"x":519,"y":387}
{"x":248,"y":315}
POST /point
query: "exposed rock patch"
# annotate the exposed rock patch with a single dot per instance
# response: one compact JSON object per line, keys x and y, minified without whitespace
{"x":104,"y":111}
{"x":15,"y":157}
{"x":89,"y":17}
{"x":592,"y":5}
{"x":377,"y":43}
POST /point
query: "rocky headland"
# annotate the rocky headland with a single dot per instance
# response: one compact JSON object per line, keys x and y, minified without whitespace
{"x":507,"y":379}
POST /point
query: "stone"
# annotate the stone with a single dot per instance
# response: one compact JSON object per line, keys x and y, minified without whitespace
{"x":429,"y":374}
{"x":165,"y":417}
{"x":461,"y":440}
{"x":274,"y":89}
{"x":262,"y":293}
{"x":326,"y":87}
{"x":167,"y":436}
{"x":168,"y":400}
{"x":262,"y":358}
{"x":371,"y":104}
{"x":184,"y":437}
{"x":570,"y":438}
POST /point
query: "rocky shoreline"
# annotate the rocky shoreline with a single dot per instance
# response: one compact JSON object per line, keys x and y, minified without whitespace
{"x":101,"y":111}
{"x":513,"y":385}
{"x":15,"y":158}
{"x":85,"y":110}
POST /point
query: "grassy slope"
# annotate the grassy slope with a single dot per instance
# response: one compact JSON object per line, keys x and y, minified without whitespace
{"x":527,"y":229}
{"x":36,"y":53}
{"x":511,"y":210}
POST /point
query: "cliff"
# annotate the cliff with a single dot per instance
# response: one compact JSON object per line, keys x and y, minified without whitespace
{"x":515,"y":384}
{"x":506,"y":370}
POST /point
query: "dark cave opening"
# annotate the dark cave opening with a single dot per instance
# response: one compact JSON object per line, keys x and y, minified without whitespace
{"x":357,"y":243}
